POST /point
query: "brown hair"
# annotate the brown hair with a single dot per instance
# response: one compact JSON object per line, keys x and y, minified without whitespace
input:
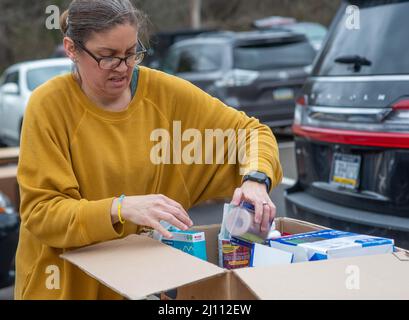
{"x":84,"y":17}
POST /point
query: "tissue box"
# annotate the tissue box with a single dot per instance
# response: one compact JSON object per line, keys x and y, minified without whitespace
{"x":191,"y":242}
{"x":330,"y":244}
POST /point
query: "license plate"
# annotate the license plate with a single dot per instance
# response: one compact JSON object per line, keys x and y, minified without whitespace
{"x":345,"y":170}
{"x":283,"y":94}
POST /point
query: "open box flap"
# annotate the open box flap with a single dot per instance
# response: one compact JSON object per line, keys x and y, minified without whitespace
{"x":138,"y":266}
{"x":294,"y":226}
{"x":369,"y":277}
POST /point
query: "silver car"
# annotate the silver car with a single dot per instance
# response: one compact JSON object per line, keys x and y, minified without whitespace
{"x":16,"y":85}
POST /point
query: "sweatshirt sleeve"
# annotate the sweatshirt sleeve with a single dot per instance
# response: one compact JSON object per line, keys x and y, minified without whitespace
{"x":218,"y":179}
{"x":51,"y":207}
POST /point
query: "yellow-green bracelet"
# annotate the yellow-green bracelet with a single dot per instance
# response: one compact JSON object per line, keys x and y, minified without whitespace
{"x":121,"y":198}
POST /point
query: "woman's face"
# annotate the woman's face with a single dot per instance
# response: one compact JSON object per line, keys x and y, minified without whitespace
{"x":120,"y":41}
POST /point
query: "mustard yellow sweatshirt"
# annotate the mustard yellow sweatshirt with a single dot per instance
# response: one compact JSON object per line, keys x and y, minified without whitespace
{"x":75,"y":158}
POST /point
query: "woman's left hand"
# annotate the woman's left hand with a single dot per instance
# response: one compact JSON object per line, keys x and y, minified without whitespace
{"x":256,"y":194}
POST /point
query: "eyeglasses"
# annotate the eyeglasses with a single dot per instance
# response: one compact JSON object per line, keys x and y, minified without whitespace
{"x":109,"y":63}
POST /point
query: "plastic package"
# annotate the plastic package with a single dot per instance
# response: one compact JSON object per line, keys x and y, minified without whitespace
{"x":240,"y":223}
{"x":240,"y":220}
{"x":231,"y":256}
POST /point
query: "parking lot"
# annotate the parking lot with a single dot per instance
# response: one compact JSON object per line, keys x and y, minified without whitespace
{"x":89,"y":107}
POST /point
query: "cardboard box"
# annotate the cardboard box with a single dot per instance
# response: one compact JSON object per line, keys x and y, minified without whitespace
{"x":233,"y":256}
{"x":147,"y":267}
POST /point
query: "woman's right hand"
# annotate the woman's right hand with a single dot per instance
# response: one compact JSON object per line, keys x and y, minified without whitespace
{"x":149,"y":210}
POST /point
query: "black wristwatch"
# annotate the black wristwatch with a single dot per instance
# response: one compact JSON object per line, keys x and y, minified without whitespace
{"x":259,"y":177}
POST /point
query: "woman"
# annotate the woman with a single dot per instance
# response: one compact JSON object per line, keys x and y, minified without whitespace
{"x":87,"y":139}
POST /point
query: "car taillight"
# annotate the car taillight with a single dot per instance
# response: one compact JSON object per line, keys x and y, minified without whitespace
{"x":398,"y":119}
{"x":401,"y":105}
{"x":300,"y":103}
{"x":4,"y":203}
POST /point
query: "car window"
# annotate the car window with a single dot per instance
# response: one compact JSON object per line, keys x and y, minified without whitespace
{"x":198,"y":58}
{"x":269,"y":56}
{"x":37,"y":76}
{"x":12,"y":77}
{"x":382,"y":44}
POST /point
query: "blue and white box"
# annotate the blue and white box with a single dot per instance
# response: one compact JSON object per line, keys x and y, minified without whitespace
{"x":191,"y":242}
{"x":331,"y":244}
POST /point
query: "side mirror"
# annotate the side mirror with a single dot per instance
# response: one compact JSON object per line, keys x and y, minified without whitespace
{"x":10,"y":88}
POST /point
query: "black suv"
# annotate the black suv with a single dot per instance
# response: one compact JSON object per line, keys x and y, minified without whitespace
{"x":257,"y":72}
{"x":160,"y":43}
{"x":352,"y":126}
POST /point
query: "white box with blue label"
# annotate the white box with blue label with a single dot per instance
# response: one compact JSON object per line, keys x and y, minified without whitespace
{"x":191,"y":242}
{"x":330,"y":244}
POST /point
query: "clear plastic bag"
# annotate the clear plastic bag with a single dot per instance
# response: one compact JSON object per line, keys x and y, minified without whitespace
{"x":240,"y":223}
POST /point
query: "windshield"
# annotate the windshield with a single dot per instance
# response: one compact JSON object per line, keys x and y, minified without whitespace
{"x":380,"y":39}
{"x":273,"y":56}
{"x":38,"y":76}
